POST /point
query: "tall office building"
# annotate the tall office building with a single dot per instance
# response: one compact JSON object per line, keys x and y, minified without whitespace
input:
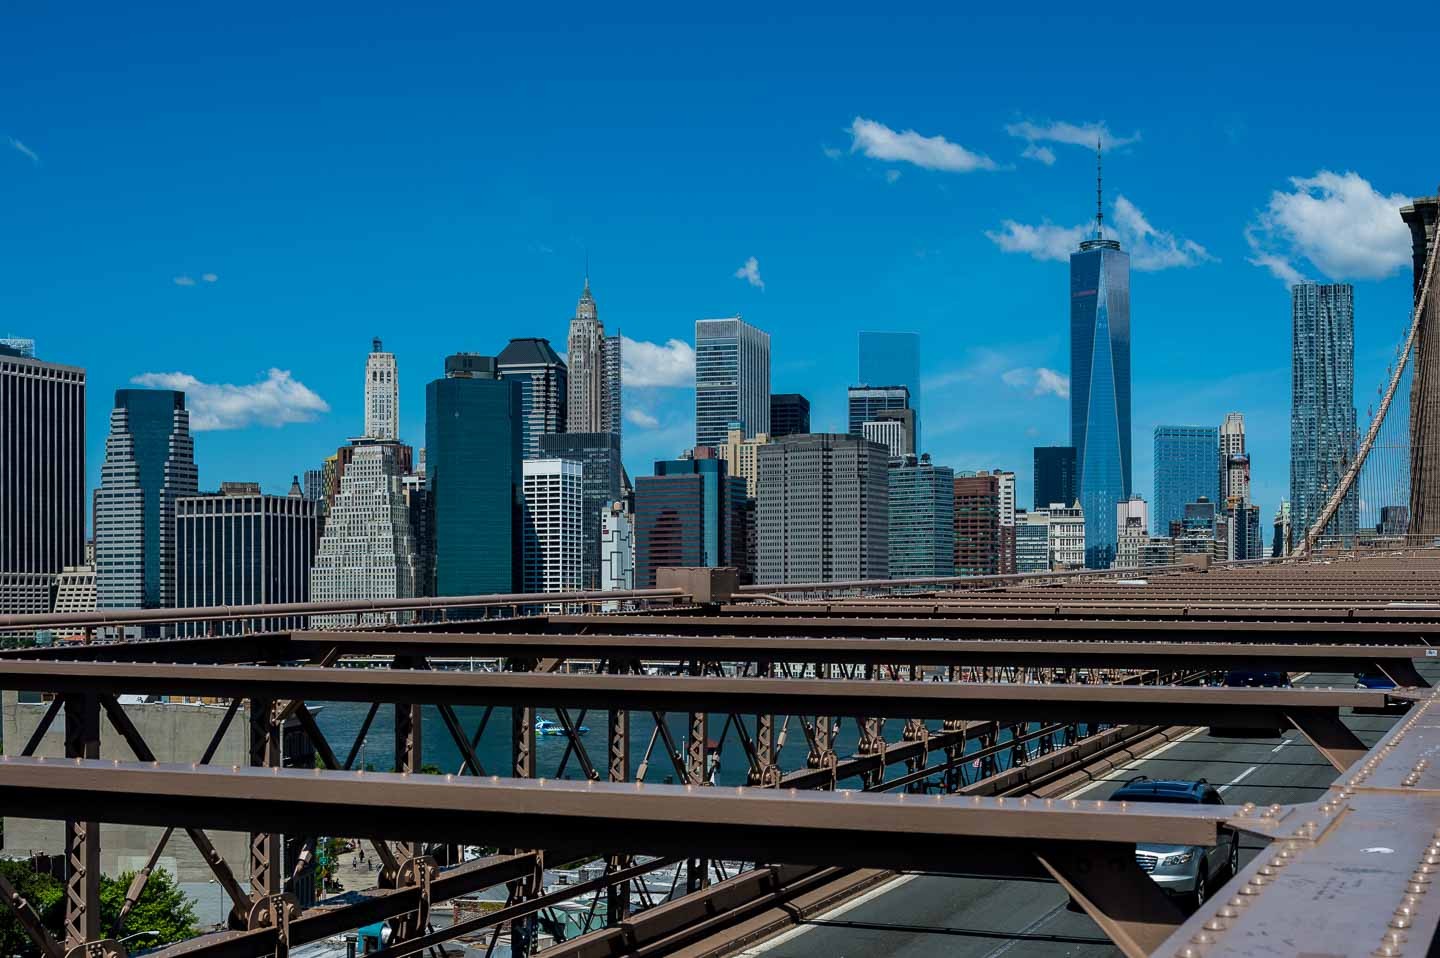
{"x":149,"y":463}
{"x":823,"y":512}
{"x":553,"y":528}
{"x":922,"y":519}
{"x":1054,"y":476}
{"x":614,"y":364}
{"x":977,"y":524}
{"x":1032,"y":541}
{"x":742,"y":456}
{"x":689,"y":514}
{"x":892,"y":358}
{"x":732,"y":379}
{"x":1132,"y":524}
{"x":865,"y":403}
{"x":42,"y":477}
{"x":1322,"y":411}
{"x":1423,"y":514}
{"x":1100,"y":385}
{"x":541,"y":374}
{"x":789,"y":414}
{"x":599,"y":454}
{"x":367,"y":550}
{"x":593,"y":378}
{"x":473,"y":429}
{"x":1234,"y":460}
{"x":1005,"y":480}
{"x":1186,"y":468}
{"x":1282,"y":538}
{"x":242,"y":547}
{"x":894,"y":429}
{"x":617,"y":548}
{"x":382,"y":394}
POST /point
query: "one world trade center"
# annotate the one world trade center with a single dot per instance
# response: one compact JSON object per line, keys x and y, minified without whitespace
{"x":1100,"y":385}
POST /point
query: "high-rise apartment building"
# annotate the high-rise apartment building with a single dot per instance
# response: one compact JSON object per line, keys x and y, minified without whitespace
{"x":742,"y":456}
{"x":1005,"y":480}
{"x":732,"y":379}
{"x":553,"y":527}
{"x":617,"y":548}
{"x":382,"y":394}
{"x":1322,"y":411}
{"x":42,"y":477}
{"x":1054,"y":476}
{"x":823,"y":512}
{"x":367,"y":550}
{"x":544,"y":387}
{"x":789,"y":414}
{"x":866,"y":402}
{"x":977,"y":524}
{"x":1100,"y":387}
{"x":1032,"y":542}
{"x":1133,"y":525}
{"x":689,"y":514}
{"x":242,"y":547}
{"x":599,"y":454}
{"x":892,"y":358}
{"x":149,"y":463}
{"x":614,"y":365}
{"x":473,"y":429}
{"x":1186,"y":467}
{"x":922,"y":519}
{"x":588,"y":401}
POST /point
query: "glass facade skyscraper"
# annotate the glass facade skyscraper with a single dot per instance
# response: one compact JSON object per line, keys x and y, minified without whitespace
{"x":922,"y":519}
{"x":732,"y":379}
{"x":1100,"y":389}
{"x":473,"y":479}
{"x":789,"y":415}
{"x":1054,"y":476}
{"x":599,"y":454}
{"x":543,"y":391}
{"x":1322,"y":408}
{"x":865,"y":401}
{"x":1186,"y":467}
{"x":690,"y":513}
{"x":892,"y":359}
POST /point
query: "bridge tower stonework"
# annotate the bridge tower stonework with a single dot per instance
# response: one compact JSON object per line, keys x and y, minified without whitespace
{"x":1423,"y":218}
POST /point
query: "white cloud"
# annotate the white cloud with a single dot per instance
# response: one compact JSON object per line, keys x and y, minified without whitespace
{"x":1042,"y":154}
{"x":209,"y":277}
{"x":879,"y":142}
{"x":184,"y":281}
{"x":1338,"y":222}
{"x":25,"y":150}
{"x":1150,"y":249}
{"x":1072,"y":134}
{"x":1044,"y":241}
{"x":1040,"y":380}
{"x":750,"y":273}
{"x":891,"y":176}
{"x":650,"y":364}
{"x":641,"y":418}
{"x":273,"y":401}
{"x":833,"y":152}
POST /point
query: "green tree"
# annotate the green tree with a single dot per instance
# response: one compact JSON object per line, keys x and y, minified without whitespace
{"x":45,"y":895}
{"x":162,"y":907}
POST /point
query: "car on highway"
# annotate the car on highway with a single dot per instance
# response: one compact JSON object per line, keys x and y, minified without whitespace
{"x":1239,"y":679}
{"x":1373,"y":679}
{"x":1187,"y":873}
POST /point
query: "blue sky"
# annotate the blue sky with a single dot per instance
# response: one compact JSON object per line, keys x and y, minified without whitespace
{"x":190,"y":195}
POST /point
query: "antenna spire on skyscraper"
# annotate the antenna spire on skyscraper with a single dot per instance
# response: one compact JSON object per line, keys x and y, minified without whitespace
{"x":1099,"y":195}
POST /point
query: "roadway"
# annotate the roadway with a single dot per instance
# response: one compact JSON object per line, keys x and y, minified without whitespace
{"x":925,"y":915}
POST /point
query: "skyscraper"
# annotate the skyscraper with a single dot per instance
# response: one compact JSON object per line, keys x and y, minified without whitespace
{"x":599,"y":454}
{"x":42,"y":477}
{"x":789,"y":414}
{"x":472,"y":477}
{"x":742,"y":456}
{"x":543,"y":389}
{"x":922,"y":519}
{"x":1132,"y":524}
{"x":892,"y":358}
{"x":614,"y":364}
{"x":242,"y":547}
{"x":382,"y":394}
{"x":1100,"y":385}
{"x":617,"y":548}
{"x":690,"y":513}
{"x":823,"y":512}
{"x":553,"y":528}
{"x":864,"y":402}
{"x":589,"y":405}
{"x":977,"y":524}
{"x":367,"y":550}
{"x":732,"y":379}
{"x":1322,"y":410}
{"x":1054,"y":476}
{"x":149,"y":463}
{"x":894,"y":429}
{"x":1186,"y":468}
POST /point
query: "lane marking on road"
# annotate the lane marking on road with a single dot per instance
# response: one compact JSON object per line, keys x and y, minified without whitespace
{"x":1283,"y":742}
{"x":1238,"y":778}
{"x":1115,"y":774}
{"x":853,"y":903}
{"x":1028,"y":929}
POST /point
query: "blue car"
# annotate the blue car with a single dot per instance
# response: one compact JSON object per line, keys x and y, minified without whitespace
{"x":1373,"y":680}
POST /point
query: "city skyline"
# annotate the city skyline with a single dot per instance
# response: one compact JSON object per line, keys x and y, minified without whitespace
{"x":929,"y":240}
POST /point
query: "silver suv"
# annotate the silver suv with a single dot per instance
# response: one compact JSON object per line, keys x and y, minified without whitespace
{"x":1186,"y":872}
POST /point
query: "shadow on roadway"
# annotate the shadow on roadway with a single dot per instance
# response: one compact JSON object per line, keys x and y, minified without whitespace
{"x":981,"y":933}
